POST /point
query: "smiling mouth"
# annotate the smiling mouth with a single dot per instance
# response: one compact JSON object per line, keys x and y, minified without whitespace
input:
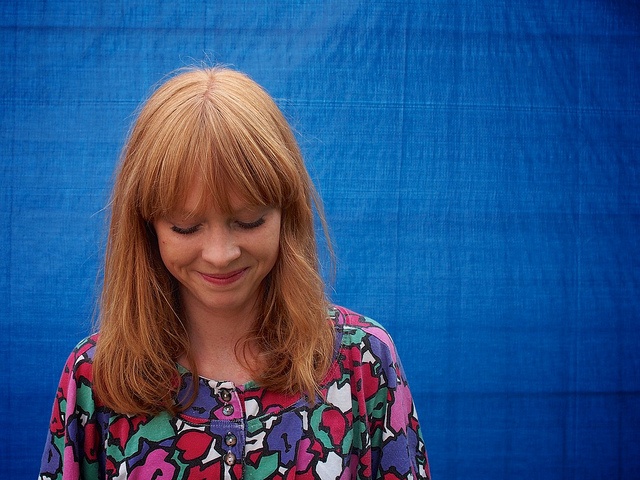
{"x":223,"y":278}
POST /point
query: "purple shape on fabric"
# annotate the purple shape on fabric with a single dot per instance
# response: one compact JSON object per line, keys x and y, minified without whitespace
{"x":285,"y":435}
{"x":395,"y":455}
{"x":51,"y":457}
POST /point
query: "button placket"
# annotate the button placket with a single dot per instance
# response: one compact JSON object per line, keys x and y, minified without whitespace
{"x":232,"y":439}
{"x":226,"y":396}
{"x":233,"y":444}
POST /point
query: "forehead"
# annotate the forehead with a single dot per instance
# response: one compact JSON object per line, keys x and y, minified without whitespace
{"x":200,"y":197}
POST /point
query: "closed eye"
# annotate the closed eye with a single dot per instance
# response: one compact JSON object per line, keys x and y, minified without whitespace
{"x":185,"y":231}
{"x":250,"y":225}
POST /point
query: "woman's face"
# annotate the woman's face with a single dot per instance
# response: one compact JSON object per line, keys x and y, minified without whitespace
{"x":219,"y":259}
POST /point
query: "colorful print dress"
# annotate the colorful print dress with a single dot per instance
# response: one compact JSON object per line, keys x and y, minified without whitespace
{"x":366,"y":427}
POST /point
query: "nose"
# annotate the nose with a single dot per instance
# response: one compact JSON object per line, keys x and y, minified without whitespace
{"x":220,"y":247}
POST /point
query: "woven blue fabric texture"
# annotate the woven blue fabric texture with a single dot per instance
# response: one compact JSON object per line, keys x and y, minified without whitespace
{"x":479,"y":163}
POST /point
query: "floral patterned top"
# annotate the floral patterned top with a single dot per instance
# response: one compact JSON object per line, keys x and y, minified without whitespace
{"x":366,"y":427}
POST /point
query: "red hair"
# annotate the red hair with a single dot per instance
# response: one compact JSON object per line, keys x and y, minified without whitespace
{"x":218,"y":125}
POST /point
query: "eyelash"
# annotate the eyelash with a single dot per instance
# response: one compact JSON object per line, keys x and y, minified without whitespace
{"x":185,"y":231}
{"x":250,"y":225}
{"x":242,"y":225}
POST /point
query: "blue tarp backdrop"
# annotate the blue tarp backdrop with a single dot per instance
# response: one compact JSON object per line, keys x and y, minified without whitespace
{"x":479,"y":162}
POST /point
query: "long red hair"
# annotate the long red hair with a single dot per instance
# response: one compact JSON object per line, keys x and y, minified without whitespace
{"x":220,"y":126}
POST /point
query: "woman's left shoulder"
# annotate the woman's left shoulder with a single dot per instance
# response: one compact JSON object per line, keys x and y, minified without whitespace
{"x":360,"y":328}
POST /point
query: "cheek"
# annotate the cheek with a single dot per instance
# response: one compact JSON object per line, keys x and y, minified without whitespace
{"x":164,"y":255}
{"x":274,"y":239}
{"x":273,"y":250}
{"x":172,"y":255}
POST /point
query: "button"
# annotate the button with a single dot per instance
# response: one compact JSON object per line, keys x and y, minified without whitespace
{"x":230,"y":439}
{"x":225,"y":394}
{"x":229,"y":458}
{"x":227,"y":410}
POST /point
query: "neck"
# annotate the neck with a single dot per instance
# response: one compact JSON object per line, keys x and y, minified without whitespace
{"x":215,"y":345}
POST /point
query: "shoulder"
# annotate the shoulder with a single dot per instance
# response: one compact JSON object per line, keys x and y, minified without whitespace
{"x":351,"y":323}
{"x":75,"y":389}
{"x":354,"y":330}
{"x":85,"y":349}
{"x":86,"y":346}
{"x":80,"y":361}
{"x":365,"y":354}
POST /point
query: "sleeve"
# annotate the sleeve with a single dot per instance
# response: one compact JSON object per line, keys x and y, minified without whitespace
{"x":397,"y":446}
{"x":73,"y":439}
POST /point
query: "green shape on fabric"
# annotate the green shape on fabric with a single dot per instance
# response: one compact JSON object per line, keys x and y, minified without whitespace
{"x":267,"y":465}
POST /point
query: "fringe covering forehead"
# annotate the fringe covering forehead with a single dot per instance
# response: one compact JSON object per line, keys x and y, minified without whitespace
{"x":225,"y":133}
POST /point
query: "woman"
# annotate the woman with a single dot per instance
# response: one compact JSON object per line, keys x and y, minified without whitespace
{"x":218,"y":354}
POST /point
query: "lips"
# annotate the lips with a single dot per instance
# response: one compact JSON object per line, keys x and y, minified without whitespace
{"x":224,"y":278}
